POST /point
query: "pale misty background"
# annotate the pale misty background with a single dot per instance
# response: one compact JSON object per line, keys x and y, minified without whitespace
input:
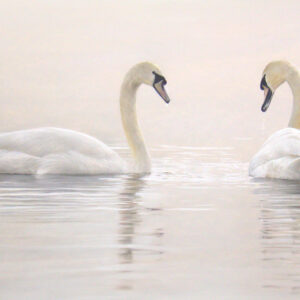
{"x":198,"y":226}
{"x":62,"y":64}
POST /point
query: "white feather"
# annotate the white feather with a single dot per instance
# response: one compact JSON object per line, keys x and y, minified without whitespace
{"x":279,"y":157}
{"x":63,"y":151}
{"x":56,"y":151}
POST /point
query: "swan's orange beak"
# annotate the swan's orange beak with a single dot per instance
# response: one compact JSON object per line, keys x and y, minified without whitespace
{"x":159,"y":87}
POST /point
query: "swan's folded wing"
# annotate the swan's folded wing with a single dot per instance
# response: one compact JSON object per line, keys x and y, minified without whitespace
{"x":73,"y":162}
{"x":279,"y":154}
{"x":56,"y":151}
{"x":283,"y":168}
{"x":44,"y":141}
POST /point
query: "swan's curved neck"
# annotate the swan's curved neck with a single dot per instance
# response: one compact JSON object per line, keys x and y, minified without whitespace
{"x":293,"y":80}
{"x":130,"y":124}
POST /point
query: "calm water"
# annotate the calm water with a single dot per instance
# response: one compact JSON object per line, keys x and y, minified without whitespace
{"x":197,"y":227}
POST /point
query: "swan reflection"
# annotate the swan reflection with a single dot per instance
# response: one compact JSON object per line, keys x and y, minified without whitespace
{"x":280,"y":232}
{"x":136,"y":240}
{"x":129,"y":215}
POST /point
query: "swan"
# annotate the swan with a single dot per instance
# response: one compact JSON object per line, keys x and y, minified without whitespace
{"x":279,"y":156}
{"x":64,"y":151}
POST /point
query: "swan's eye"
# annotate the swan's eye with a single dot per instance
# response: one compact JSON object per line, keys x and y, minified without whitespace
{"x":159,"y":78}
{"x":263,"y":83}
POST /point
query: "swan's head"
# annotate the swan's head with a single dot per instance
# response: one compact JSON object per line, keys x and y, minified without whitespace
{"x":274,"y":74}
{"x":150,"y":74}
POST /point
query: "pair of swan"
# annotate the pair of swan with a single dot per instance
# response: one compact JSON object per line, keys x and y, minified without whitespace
{"x":62,"y":151}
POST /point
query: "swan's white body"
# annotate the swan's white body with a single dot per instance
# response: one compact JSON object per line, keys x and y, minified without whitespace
{"x":279,"y":157}
{"x":63,"y":151}
{"x":56,"y":151}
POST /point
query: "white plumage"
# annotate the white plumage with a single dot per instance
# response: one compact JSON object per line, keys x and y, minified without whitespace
{"x":63,"y":151}
{"x":56,"y":151}
{"x":279,"y":157}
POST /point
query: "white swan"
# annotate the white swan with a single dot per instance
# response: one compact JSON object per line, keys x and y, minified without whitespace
{"x":279,"y":157}
{"x":63,"y":151}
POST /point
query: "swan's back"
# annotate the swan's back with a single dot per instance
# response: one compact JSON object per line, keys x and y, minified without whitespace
{"x":279,"y":156}
{"x":50,"y":140}
{"x":55,"y":151}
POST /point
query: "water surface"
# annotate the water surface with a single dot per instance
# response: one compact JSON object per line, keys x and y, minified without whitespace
{"x":197,"y":227}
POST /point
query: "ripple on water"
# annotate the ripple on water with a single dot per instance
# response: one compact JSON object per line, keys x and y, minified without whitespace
{"x":197,"y":219}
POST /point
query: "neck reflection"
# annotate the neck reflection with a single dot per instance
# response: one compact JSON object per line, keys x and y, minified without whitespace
{"x":129,"y":215}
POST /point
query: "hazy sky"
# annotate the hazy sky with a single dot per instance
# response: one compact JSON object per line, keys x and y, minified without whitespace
{"x":62,"y":64}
